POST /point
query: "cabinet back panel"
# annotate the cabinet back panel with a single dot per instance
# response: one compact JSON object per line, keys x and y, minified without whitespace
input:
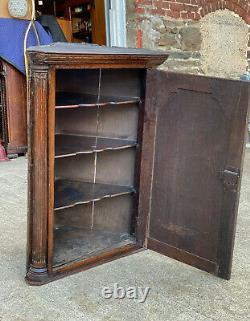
{"x":120,"y":82}
{"x":112,"y":214}
{"x":92,"y":229}
{"x":72,"y":245}
{"x":113,"y":167}
{"x":78,"y":81}
{"x":100,"y":226}
{"x":114,"y":121}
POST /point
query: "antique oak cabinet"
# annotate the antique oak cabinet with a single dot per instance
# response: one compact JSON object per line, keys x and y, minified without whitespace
{"x":123,"y":157}
{"x":13,"y":111}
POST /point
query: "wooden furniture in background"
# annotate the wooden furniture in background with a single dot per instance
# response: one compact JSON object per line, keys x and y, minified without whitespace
{"x":93,"y":14}
{"x":124,"y":157}
{"x":98,"y":22}
{"x":81,"y":21}
{"x":87,"y":19}
{"x":14,"y":118}
{"x":66,"y":27}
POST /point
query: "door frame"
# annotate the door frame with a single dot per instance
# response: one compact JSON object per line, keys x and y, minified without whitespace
{"x":116,"y":33}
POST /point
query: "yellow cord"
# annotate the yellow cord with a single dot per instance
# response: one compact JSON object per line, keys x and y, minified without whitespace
{"x":31,"y":24}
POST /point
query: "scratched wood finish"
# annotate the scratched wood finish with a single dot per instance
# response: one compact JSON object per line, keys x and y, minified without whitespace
{"x":188,"y":165}
{"x":92,"y":56}
{"x":70,"y":193}
{"x":45,"y":72}
{"x":75,"y":244}
{"x":37,"y":250}
{"x":72,"y":145}
{"x":201,"y":125}
{"x":72,"y":100}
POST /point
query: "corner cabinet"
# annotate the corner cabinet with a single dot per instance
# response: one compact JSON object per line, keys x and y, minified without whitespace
{"x":124,"y":157}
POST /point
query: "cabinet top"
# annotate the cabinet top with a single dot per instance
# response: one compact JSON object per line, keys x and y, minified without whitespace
{"x":78,"y":54}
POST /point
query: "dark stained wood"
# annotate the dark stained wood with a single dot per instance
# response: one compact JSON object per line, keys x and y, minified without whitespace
{"x":111,"y":214}
{"x":115,"y":167}
{"x":75,"y":100}
{"x":75,"y":244}
{"x":92,"y":50}
{"x":172,"y":158}
{"x":69,"y":193}
{"x":183,"y":256}
{"x":201,"y":124}
{"x":147,"y":158}
{"x":37,"y":249}
{"x":93,"y":56}
{"x":136,"y":212}
{"x":50,"y":169}
{"x":93,"y":261}
{"x":72,"y":145}
{"x":13,"y":85}
{"x":117,"y":139}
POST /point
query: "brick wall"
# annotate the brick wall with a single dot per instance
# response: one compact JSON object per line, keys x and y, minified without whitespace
{"x":176,"y":27}
{"x":192,"y":9}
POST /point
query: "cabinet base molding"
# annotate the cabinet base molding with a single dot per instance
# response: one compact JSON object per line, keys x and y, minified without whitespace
{"x":37,"y":276}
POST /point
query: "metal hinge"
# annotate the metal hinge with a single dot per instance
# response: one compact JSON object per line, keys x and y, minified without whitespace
{"x":230,"y":178}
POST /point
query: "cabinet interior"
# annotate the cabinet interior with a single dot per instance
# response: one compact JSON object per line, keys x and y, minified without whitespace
{"x":98,"y":114}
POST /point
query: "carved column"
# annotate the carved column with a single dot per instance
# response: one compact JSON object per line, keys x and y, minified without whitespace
{"x":37,"y":265}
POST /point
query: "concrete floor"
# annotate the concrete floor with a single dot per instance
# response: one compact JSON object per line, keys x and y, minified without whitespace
{"x":178,"y":292}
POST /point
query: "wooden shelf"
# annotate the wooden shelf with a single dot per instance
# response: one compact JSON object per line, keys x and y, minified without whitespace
{"x":72,"y":145}
{"x":76,"y":100}
{"x":69,"y":193}
{"x":73,"y":244}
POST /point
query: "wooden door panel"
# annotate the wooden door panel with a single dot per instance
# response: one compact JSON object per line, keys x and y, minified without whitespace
{"x":200,"y":131}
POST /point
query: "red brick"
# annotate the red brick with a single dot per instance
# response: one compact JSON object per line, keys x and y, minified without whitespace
{"x":140,"y":10}
{"x":184,"y":15}
{"x":139,"y":42}
{"x":177,"y":6}
{"x":185,"y":1}
{"x":191,"y":9}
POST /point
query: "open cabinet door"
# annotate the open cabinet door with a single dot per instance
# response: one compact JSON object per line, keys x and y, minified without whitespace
{"x":199,"y":143}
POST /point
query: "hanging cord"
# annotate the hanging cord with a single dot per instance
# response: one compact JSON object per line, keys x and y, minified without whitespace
{"x":31,"y":24}
{"x":96,"y":142}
